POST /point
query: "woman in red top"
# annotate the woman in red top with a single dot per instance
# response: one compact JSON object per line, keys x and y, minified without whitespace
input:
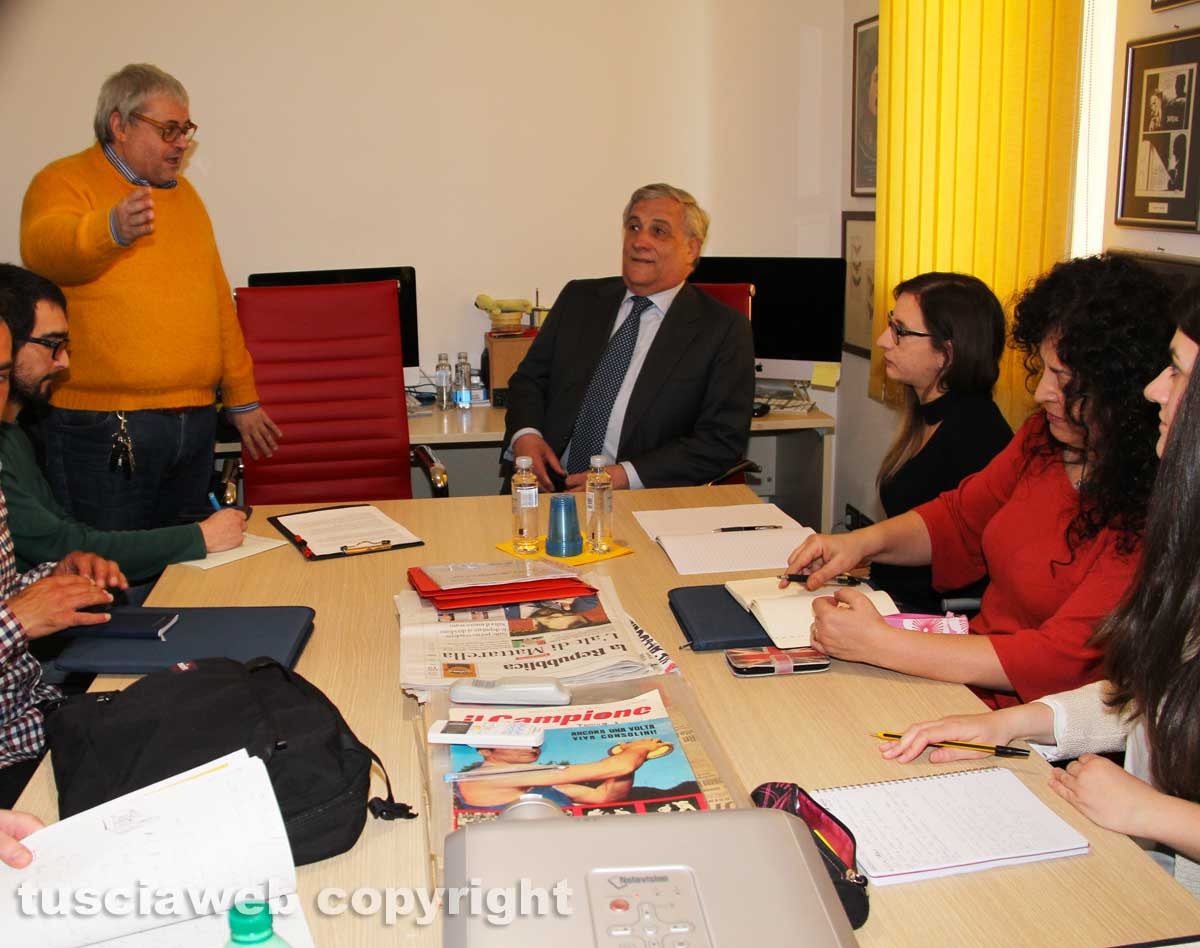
{"x":1055,"y":520}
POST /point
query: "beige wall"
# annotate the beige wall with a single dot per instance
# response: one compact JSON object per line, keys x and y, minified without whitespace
{"x":492,"y":145}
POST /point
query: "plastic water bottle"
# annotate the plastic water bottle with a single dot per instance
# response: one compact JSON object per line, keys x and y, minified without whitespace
{"x":599,"y":506}
{"x":462,"y":382}
{"x":443,"y":378}
{"x":525,"y":507}
{"x":250,"y":924}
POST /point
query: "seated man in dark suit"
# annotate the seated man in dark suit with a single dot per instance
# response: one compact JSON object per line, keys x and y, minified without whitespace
{"x":642,"y":368}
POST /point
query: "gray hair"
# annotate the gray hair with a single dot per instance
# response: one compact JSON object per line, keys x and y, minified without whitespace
{"x":695,"y":218}
{"x":127,"y":91}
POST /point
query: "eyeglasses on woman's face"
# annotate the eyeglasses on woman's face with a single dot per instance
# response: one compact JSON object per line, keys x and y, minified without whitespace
{"x":899,"y":332}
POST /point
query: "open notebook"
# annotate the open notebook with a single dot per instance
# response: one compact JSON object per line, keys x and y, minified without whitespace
{"x":731,"y":539}
{"x":942,"y":824}
{"x":786,"y":614}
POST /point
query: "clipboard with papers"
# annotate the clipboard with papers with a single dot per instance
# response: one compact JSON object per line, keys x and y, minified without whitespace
{"x":344,"y":530}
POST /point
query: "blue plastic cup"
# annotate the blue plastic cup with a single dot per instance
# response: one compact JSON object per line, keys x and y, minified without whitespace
{"x":563,"y":537}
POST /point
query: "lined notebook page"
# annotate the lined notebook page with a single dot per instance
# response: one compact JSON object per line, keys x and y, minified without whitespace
{"x":944,"y":824}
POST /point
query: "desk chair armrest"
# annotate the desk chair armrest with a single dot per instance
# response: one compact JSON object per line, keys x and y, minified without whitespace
{"x":439,"y":481}
{"x":231,"y":473}
{"x":744,"y":466}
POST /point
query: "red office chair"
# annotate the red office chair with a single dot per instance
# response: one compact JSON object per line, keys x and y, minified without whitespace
{"x":329,"y":370}
{"x":739,"y":296}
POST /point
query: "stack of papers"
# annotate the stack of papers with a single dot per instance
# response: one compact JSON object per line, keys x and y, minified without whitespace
{"x":733,"y":539}
{"x":186,"y":846}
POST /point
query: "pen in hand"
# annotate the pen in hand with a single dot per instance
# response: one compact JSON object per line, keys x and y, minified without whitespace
{"x":761,"y":526}
{"x":842,"y":579}
{"x":997,"y":750}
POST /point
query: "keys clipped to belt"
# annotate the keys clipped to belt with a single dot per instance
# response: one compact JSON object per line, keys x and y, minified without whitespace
{"x":120,"y":457}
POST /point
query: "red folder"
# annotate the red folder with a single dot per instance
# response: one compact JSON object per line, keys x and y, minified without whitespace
{"x":467,"y":597}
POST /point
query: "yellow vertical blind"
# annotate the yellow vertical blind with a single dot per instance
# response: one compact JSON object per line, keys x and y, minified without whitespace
{"x":977,"y":118}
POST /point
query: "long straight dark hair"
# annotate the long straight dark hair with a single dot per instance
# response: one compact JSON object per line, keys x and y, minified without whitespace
{"x":1152,"y":641}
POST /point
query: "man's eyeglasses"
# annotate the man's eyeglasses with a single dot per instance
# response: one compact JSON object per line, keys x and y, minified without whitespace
{"x":899,"y":332}
{"x":54,"y":345}
{"x":170,"y":131}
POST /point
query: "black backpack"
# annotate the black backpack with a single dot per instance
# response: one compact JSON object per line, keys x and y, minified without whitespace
{"x":106,"y":744}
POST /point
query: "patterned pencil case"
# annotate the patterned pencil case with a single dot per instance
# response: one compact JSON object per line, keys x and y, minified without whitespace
{"x":834,"y":841}
{"x":949,"y":624}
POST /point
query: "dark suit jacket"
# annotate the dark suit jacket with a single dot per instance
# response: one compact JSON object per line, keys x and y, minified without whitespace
{"x":689,"y":414}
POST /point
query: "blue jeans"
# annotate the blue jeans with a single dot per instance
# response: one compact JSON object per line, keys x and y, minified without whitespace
{"x":173,"y":465}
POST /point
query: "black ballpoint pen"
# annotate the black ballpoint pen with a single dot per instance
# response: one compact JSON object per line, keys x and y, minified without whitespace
{"x":761,"y":526}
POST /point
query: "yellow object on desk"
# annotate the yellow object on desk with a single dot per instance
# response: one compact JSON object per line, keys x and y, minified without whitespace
{"x":583,"y":559}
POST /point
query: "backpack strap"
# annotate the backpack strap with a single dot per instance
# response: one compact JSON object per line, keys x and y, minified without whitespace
{"x":388,"y":809}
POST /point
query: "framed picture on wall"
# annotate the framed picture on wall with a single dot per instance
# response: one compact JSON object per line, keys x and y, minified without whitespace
{"x":1159,"y":184}
{"x":858,"y":250}
{"x":864,"y":120}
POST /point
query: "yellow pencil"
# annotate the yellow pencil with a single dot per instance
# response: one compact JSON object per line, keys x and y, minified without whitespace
{"x":999,"y":750}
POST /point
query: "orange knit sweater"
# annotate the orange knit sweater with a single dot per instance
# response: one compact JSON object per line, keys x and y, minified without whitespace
{"x":153,"y":325}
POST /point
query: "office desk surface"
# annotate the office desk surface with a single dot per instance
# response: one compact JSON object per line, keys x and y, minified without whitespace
{"x":811,"y":729}
{"x":485,"y":425}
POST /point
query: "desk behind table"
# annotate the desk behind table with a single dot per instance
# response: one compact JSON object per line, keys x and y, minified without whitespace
{"x":811,"y":729}
{"x":794,"y":450}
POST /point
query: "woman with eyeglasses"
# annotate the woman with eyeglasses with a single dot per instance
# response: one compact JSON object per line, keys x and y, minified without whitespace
{"x":943,"y":343}
{"x":1152,"y":660}
{"x":1055,"y":520}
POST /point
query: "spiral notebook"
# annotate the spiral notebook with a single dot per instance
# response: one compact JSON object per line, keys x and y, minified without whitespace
{"x":943,"y":824}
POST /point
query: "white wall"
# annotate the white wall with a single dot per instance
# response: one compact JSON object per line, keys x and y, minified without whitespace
{"x":1135,"y":21}
{"x":865,"y":427}
{"x":491,"y":145}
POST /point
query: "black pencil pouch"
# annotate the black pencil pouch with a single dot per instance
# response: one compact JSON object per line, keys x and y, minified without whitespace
{"x":834,"y":841}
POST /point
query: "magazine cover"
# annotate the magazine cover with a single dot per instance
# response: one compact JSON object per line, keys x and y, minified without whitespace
{"x":616,"y":758}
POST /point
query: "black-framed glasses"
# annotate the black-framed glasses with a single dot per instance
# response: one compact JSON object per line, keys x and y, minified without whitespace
{"x":899,"y":332}
{"x":54,"y":345}
{"x":170,"y":131}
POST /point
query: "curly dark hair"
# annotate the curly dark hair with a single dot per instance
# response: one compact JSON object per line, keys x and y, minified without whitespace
{"x":1108,"y":319}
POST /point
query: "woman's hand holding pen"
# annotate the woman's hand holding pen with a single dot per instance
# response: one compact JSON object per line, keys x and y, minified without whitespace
{"x":847,"y":625}
{"x":1033,"y":720}
{"x":823,"y":556}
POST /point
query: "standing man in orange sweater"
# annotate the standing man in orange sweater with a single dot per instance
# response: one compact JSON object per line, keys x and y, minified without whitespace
{"x":154,"y":332}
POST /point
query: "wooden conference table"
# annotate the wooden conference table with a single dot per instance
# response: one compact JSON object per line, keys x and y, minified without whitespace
{"x":810,"y":729}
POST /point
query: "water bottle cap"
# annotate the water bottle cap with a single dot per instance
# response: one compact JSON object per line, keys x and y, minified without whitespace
{"x":443,"y":357}
{"x":524,"y":463}
{"x":250,"y":923}
{"x":462,"y":355}
{"x":599,"y":460}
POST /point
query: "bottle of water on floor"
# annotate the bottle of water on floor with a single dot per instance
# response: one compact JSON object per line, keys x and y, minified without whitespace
{"x":599,"y":506}
{"x":250,"y":924}
{"x":525,"y":507}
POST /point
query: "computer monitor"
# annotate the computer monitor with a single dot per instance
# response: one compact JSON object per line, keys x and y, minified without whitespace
{"x":797,"y":316}
{"x":405,"y":276}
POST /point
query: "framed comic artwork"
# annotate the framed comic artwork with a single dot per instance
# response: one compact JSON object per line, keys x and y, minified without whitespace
{"x":1159,"y":183}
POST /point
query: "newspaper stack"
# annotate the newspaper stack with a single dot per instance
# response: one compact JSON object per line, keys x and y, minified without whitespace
{"x":578,"y":640}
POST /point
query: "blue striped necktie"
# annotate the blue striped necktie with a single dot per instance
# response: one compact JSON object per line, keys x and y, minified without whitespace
{"x":587,"y":437}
